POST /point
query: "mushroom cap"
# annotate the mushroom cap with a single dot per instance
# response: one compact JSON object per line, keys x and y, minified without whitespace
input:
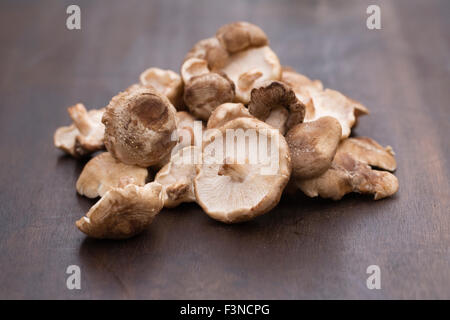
{"x":349,"y":175}
{"x":139,"y":125}
{"x":313,"y":146}
{"x":369,"y":151}
{"x":239,"y":36}
{"x":211,"y":51}
{"x":205,"y":92}
{"x":250,"y":68}
{"x":332,"y":184}
{"x":64,"y":138}
{"x":85,"y":135}
{"x":123,"y":212}
{"x":177,"y":176}
{"x":360,"y":110}
{"x":232,"y":191}
{"x":193,"y":67}
{"x":365,"y":180}
{"x":104,"y":172}
{"x":276,"y":103}
{"x":227,"y":112}
{"x":298,"y":81}
{"x":302,"y":87}
{"x":185,"y":119}
{"x":167,"y":82}
{"x":335,"y":104}
{"x":328,"y":102}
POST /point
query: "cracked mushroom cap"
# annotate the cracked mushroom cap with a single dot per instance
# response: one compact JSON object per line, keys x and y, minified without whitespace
{"x":177,"y":176}
{"x":250,"y":68}
{"x":227,"y":112}
{"x":103,"y":173}
{"x":204,"y":90}
{"x":123,"y":212}
{"x":239,"y":36}
{"x":276,"y":104}
{"x":85,"y":135}
{"x":139,"y":125}
{"x":349,"y":175}
{"x":313,"y":146}
{"x":235,"y":188}
{"x":369,"y":151}
{"x":167,"y":82}
{"x":211,"y":51}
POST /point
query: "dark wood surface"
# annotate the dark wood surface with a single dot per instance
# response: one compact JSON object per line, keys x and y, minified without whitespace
{"x":304,"y":248}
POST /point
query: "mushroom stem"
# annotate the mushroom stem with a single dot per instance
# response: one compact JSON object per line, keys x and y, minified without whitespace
{"x":237,"y":172}
{"x":278,"y":118}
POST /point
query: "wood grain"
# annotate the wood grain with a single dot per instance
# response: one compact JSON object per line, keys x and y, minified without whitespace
{"x":305,"y":248}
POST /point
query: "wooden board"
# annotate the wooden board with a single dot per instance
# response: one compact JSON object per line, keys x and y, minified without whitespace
{"x":304,"y":248}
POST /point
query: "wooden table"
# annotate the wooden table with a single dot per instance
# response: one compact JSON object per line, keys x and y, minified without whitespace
{"x":304,"y":248}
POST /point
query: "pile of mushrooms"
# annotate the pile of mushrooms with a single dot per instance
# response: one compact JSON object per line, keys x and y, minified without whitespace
{"x":168,"y":126}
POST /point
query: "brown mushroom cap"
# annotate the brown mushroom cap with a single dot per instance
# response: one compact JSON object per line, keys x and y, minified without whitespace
{"x":227,"y":112}
{"x":319,"y":102}
{"x":64,"y":139}
{"x":302,"y":87}
{"x":231,"y":191}
{"x":276,"y":104}
{"x":205,"y":92}
{"x":139,"y":125}
{"x":240,"y":51}
{"x":367,"y":150}
{"x":193,"y":67}
{"x":167,"y":82}
{"x":298,"y":81}
{"x":178,"y":175}
{"x":335,"y":104}
{"x":313,"y":146}
{"x":250,"y":68}
{"x":360,"y":110}
{"x":90,"y":126}
{"x":332,"y":184}
{"x":123,"y":212}
{"x":239,"y":36}
{"x":349,"y":175}
{"x":365,"y":180}
{"x":104,"y":172}
{"x":85,"y":135}
{"x":211,"y":51}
